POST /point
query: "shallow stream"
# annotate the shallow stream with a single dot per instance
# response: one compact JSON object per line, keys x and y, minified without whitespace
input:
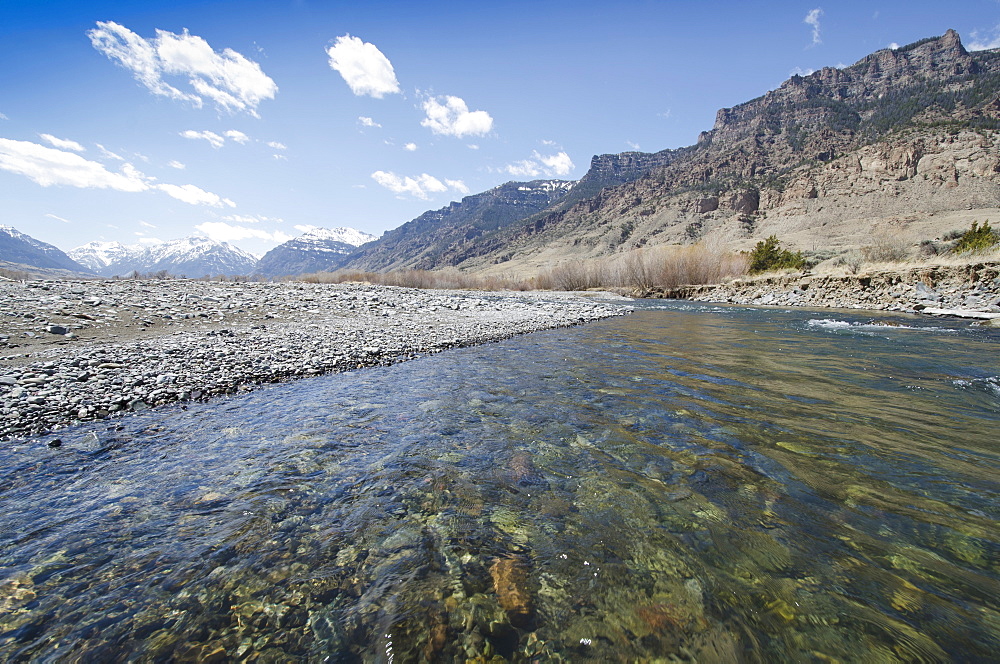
{"x":688,"y":483}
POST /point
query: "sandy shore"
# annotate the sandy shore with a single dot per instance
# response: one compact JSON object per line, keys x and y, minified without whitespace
{"x":87,"y":350}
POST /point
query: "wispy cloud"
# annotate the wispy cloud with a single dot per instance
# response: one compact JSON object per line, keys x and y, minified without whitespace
{"x":363,"y":67}
{"x":983,"y":41}
{"x":227,"y":78}
{"x":812,"y":19}
{"x":554,"y":165}
{"x":420,"y":186}
{"x":3,"y":117}
{"x":367,"y":122}
{"x":450,"y":116}
{"x":49,"y":166}
{"x":251,"y":219}
{"x":220,"y":231}
{"x":58,"y":218}
{"x":410,"y":147}
{"x":173,"y":163}
{"x":276,"y":145}
{"x":799,"y":71}
{"x":213,"y":139}
{"x":62,"y":143}
{"x":108,"y":154}
{"x":237,"y":136}
{"x":633,"y":145}
{"x":192,"y":195}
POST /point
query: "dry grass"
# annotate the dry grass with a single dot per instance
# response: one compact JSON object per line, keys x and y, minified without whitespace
{"x":424,"y":279}
{"x":644,"y":269}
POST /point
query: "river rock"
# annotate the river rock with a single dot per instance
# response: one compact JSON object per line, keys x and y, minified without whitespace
{"x":510,"y":582}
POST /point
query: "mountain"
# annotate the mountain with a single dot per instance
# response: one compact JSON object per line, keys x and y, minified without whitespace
{"x":191,"y":257}
{"x":22,"y":252}
{"x":110,"y":259}
{"x":318,"y":250}
{"x":442,"y":237}
{"x":904,"y":141}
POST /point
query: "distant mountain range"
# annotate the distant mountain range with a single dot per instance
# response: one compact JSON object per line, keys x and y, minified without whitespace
{"x":318,"y":250}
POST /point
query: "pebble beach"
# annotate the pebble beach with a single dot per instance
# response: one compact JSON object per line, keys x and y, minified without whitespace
{"x":75,"y":351}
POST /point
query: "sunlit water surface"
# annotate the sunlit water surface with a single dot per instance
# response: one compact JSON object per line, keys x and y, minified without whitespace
{"x":689,"y":483}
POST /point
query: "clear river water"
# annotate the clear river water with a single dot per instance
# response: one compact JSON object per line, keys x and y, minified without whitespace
{"x":690,"y":483}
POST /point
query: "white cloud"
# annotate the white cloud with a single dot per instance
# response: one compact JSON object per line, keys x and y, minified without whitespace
{"x":232,"y":81}
{"x":58,"y":218}
{"x":108,"y":154}
{"x":280,"y":157}
{"x":173,"y":163}
{"x":276,"y":145}
{"x":554,"y":165}
{"x":213,"y":139}
{"x":149,"y":240}
{"x":632,"y":145}
{"x":3,"y":117}
{"x":665,"y":114}
{"x":251,"y":219}
{"x":420,"y":186}
{"x":188,"y":193}
{"x":799,"y":71}
{"x":220,"y":231}
{"x":364,"y":68}
{"x":410,"y":147}
{"x":62,"y":143}
{"x":48,"y":166}
{"x":367,"y":122}
{"x":983,"y":42}
{"x":453,"y":118}
{"x":893,"y":46}
{"x":457,"y":185}
{"x":146,"y":224}
{"x":472,"y":146}
{"x":237,"y":136}
{"x":812,"y":18}
{"x":306,"y":228}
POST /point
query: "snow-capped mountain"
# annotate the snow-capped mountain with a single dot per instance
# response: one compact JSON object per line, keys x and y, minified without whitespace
{"x":20,"y":249}
{"x":190,"y":257}
{"x":317,"y":250}
{"x":199,"y":256}
{"x":109,"y":259}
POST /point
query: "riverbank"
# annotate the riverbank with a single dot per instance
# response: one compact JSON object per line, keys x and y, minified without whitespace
{"x":73,"y":351}
{"x":962,"y":290}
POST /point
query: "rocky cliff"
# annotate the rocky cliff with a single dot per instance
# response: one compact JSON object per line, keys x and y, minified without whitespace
{"x":902,"y":142}
{"x":444,"y":237}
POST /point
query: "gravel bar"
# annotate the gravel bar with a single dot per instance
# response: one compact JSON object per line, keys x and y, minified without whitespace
{"x":73,"y":351}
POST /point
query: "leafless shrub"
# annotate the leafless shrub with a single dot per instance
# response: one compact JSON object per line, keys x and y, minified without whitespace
{"x":423,"y":279}
{"x":888,"y":245}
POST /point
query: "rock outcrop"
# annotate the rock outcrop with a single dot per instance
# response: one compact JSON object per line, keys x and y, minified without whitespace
{"x":903,"y":141}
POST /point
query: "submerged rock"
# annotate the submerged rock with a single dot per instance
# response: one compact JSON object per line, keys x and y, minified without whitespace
{"x":510,"y":582}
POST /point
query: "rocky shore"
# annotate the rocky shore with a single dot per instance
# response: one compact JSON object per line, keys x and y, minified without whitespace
{"x":971,"y":291}
{"x":73,"y":351}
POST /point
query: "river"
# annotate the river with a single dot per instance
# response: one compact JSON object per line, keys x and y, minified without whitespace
{"x":688,"y":483}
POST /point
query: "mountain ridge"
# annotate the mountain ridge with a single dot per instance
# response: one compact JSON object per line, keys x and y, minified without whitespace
{"x":912,"y":129}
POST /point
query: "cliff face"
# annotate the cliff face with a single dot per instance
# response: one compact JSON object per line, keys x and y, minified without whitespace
{"x":442,"y":237}
{"x":904,"y":140}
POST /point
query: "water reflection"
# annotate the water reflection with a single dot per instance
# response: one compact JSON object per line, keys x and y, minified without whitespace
{"x":687,"y":484}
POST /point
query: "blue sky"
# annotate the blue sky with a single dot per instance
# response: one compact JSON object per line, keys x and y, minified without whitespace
{"x":251,"y":121}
